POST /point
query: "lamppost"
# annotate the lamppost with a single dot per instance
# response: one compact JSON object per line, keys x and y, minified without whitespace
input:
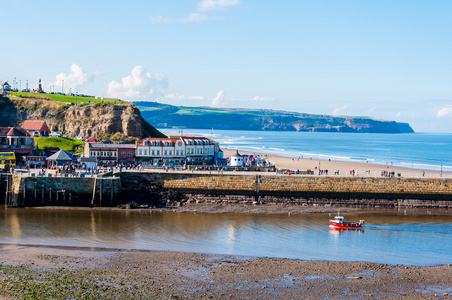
{"x":319,"y":167}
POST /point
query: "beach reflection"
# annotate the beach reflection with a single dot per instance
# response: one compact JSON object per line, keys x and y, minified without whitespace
{"x":416,"y":237}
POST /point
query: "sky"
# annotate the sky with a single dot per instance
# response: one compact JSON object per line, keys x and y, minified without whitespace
{"x":385,"y":59}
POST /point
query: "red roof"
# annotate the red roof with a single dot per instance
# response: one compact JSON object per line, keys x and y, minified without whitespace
{"x":13,"y":131}
{"x":35,"y":125}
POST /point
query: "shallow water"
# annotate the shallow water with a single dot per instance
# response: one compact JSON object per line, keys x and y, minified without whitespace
{"x":413,"y":237}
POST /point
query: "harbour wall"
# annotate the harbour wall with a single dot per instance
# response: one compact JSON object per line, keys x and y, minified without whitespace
{"x":306,"y":190}
{"x":61,"y":191}
{"x":230,"y":189}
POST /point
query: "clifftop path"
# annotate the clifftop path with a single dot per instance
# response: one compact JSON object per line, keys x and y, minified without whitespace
{"x":86,"y":119}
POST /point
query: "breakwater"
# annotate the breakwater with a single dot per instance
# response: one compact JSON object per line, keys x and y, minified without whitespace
{"x":180,"y":187}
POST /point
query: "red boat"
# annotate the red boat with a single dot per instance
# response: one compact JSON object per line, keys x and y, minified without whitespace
{"x":338,"y":222}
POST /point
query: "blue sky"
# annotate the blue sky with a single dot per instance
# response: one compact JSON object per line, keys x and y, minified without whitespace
{"x":386,"y":59}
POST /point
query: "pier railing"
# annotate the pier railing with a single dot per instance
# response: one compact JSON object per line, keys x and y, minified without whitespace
{"x":365,"y":174}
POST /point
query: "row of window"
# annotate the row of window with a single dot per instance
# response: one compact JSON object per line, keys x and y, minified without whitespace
{"x":171,"y":143}
{"x":177,"y":152}
{"x":110,"y":153}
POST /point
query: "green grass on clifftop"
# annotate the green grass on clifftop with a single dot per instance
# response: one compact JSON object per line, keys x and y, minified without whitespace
{"x":64,"y":98}
{"x":67,"y":143}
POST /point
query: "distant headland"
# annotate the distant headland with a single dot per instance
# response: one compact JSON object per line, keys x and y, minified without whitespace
{"x":165,"y":115}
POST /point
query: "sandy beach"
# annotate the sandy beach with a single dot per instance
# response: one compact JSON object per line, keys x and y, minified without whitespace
{"x":345,"y":168}
{"x":31,"y":272}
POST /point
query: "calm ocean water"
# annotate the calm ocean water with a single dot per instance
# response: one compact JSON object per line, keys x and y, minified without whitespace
{"x":392,"y":236}
{"x":418,"y":150}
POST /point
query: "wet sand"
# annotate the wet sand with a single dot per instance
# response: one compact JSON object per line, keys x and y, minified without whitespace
{"x":344,"y":167}
{"x":122,"y":274}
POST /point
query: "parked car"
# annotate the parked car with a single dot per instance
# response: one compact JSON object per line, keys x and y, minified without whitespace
{"x":92,"y":140}
{"x":106,"y":142}
{"x":55,"y":134}
{"x":79,"y":138}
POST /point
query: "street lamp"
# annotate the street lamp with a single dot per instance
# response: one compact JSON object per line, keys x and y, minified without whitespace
{"x":319,"y":167}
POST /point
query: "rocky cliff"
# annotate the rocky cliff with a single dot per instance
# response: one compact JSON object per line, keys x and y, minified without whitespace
{"x":87,"y":120}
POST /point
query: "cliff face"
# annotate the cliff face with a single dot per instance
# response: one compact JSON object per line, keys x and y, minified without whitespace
{"x":164,"y":115}
{"x":87,"y":120}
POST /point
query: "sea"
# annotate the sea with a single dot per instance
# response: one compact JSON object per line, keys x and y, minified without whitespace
{"x":409,"y":236}
{"x":425,"y":151}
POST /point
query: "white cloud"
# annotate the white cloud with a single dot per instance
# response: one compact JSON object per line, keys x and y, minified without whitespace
{"x":338,"y":110}
{"x":194,"y":17}
{"x":138,"y":85}
{"x":443,"y":112}
{"x":398,"y":114}
{"x":73,"y":80}
{"x":218,"y":99}
{"x":257,"y":98}
{"x":161,"y":19}
{"x":183,"y":97}
{"x":203,"y":6}
{"x":98,"y":73}
{"x":206,"y":5}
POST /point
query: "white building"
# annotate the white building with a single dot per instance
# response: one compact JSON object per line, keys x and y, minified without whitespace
{"x":177,"y":150}
{"x":236,"y":160}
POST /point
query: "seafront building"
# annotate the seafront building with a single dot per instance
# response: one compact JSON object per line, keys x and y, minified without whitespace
{"x":178,"y":150}
{"x":17,"y":140}
{"x":111,"y":153}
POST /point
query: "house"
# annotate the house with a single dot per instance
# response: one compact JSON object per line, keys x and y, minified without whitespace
{"x":177,"y":150}
{"x":6,"y":87}
{"x":17,"y":140}
{"x":38,"y":128}
{"x":111,"y":153}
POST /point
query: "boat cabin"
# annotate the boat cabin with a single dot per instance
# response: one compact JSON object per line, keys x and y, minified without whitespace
{"x":339,"y":219}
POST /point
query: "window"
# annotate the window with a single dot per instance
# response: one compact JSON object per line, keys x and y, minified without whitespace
{"x":140,"y":152}
{"x":145,"y":152}
{"x":177,"y":152}
{"x":123,"y":153}
{"x":166,"y":152}
{"x":198,"y":151}
{"x":129,"y":153}
{"x":158,"y":152}
{"x":182,"y":152}
{"x":153,"y":152}
{"x":171,"y":152}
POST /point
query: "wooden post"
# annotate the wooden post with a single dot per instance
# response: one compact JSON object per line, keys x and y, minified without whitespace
{"x":42,"y":198}
{"x":111,"y":196}
{"x":100,"y":196}
{"x":50,"y":196}
{"x":25,"y":183}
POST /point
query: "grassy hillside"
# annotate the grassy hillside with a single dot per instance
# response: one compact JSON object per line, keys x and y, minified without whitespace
{"x":67,"y":144}
{"x":64,"y":98}
{"x":163,"y":115}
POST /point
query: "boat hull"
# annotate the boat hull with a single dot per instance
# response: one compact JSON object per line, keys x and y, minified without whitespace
{"x":345,"y":225}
